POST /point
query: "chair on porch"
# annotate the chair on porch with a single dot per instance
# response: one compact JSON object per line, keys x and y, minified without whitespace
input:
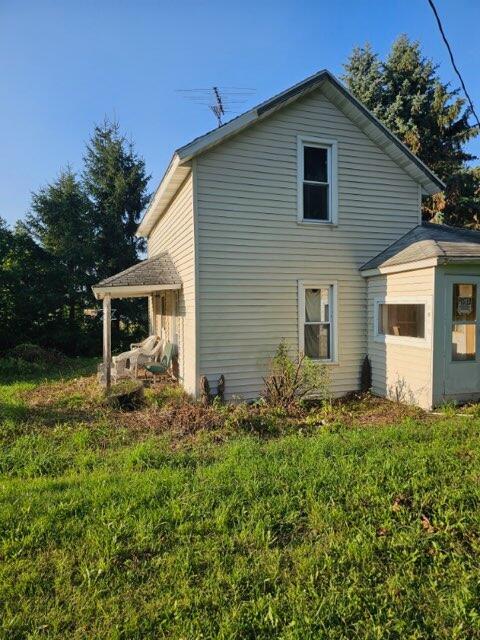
{"x":142,"y":343}
{"x":144,"y":356}
{"x":157,"y":369}
{"x":127,"y":362}
{"x":144,"y":279}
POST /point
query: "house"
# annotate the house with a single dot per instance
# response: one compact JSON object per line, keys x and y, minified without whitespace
{"x":300,"y":219}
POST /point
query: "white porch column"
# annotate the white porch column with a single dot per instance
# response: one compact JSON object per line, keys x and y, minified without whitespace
{"x":151,"y":314}
{"x":107,"y":338}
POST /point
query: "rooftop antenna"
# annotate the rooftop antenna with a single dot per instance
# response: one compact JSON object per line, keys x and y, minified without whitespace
{"x":220,"y":100}
{"x":217,"y":108}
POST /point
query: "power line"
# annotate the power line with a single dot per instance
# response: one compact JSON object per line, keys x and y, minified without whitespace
{"x":447,"y":44}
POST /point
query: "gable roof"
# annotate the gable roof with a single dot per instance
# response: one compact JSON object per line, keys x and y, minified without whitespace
{"x":335,"y":91}
{"x":158,"y":273}
{"x":428,"y":241}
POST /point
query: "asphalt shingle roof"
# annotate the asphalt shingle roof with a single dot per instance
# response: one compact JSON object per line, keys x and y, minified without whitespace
{"x":428,"y":240}
{"x":153,"y":271}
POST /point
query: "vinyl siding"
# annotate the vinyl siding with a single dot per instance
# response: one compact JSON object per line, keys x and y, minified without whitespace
{"x":400,"y":371}
{"x":174,"y":232}
{"x":252,"y":251}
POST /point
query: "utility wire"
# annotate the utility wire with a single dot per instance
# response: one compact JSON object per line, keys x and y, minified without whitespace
{"x":447,"y":44}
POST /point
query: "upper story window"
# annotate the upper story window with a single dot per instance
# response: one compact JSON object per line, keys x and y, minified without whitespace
{"x":317,"y":180}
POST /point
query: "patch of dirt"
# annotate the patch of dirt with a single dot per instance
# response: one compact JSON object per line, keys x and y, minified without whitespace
{"x":369,"y":410}
{"x":83,"y":392}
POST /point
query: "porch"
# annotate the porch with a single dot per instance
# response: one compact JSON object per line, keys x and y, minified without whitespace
{"x":157,"y":280}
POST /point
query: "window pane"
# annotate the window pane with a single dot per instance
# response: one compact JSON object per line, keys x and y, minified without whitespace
{"x":463,"y":341}
{"x":464,"y":302}
{"x":315,"y":164}
{"x":315,"y":202}
{"x":402,"y":320}
{"x":317,"y":305}
{"x":317,"y":341}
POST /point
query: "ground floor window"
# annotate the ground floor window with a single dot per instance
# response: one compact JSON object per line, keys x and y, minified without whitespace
{"x":317,"y":320}
{"x":403,"y":320}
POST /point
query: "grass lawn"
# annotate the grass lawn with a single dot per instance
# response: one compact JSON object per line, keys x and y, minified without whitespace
{"x":348,"y":530}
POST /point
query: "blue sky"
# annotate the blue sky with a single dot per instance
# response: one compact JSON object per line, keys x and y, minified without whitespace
{"x":65,"y":64}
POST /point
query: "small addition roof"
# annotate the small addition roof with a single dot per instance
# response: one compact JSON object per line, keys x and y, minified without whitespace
{"x":426,"y":241}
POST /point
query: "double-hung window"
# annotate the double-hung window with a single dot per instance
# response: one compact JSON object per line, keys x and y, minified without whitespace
{"x":317,"y":320}
{"x":317,"y":198}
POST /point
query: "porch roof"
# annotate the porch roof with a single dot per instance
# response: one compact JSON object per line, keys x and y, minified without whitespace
{"x":154,"y":274}
{"x":427,"y":241}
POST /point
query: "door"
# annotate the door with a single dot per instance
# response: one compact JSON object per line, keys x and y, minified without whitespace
{"x":462,"y":361}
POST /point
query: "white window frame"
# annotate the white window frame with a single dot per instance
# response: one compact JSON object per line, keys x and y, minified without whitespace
{"x":425,"y":342}
{"x":332,"y":154}
{"x":333,"y":317}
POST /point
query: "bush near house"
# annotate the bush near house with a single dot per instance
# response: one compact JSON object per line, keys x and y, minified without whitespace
{"x":350,"y":520}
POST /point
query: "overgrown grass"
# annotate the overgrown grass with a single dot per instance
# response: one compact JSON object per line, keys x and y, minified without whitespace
{"x":344,"y":531}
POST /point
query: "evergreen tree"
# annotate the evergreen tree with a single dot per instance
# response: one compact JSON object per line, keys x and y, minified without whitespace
{"x":462,"y":199}
{"x":115,"y":180}
{"x":406,"y":93}
{"x":60,"y":221}
{"x":30,"y":290}
{"x":364,"y":78}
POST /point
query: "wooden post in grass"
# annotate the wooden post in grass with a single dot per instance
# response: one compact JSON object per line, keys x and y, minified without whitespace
{"x":107,"y":339}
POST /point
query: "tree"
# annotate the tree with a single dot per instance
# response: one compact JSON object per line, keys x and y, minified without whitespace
{"x":462,"y":201}
{"x":31,"y":308}
{"x":60,"y":221}
{"x":115,"y":181}
{"x":406,"y":93}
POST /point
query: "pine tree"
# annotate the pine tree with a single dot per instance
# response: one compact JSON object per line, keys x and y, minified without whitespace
{"x":116,"y":181}
{"x":364,"y":78}
{"x":462,"y":200}
{"x":406,"y":93}
{"x":60,"y":221}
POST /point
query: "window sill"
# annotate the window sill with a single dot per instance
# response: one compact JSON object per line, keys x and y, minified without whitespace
{"x":420,"y":343}
{"x":323,"y":223}
{"x":325,"y":362}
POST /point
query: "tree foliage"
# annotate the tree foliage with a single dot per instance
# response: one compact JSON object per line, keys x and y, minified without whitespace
{"x":61,"y":222}
{"x":31,"y":296}
{"x":115,"y":181}
{"x":406,"y":93}
{"x":78,"y":231}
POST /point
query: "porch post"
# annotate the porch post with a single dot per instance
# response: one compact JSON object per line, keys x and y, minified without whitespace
{"x":151,"y":314}
{"x":107,"y":342}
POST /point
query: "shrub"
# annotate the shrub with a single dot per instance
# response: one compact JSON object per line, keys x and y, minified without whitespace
{"x":292,"y":379}
{"x":35,"y":354}
{"x":366,"y":375}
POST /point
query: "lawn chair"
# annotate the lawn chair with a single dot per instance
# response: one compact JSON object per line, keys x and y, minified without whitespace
{"x":125,"y":363}
{"x":159,"y":368}
{"x":145,"y":356}
{"x":144,"y":343}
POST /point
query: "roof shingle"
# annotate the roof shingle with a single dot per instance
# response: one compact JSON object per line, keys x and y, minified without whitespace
{"x":153,"y":271}
{"x":428,"y":241}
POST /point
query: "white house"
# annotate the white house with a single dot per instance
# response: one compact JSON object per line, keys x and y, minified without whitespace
{"x":300,"y":219}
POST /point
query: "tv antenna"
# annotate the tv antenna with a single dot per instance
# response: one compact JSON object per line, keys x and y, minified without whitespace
{"x":220,"y":100}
